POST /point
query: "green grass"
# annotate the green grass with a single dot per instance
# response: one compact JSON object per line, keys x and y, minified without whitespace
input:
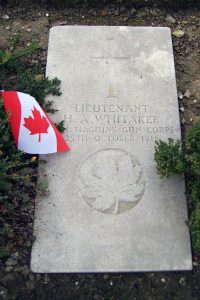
{"x":17,"y":74}
{"x":18,"y":170}
{"x":171,"y":160}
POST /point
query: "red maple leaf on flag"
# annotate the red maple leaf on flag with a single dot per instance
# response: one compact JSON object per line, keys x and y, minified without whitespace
{"x":37,"y":124}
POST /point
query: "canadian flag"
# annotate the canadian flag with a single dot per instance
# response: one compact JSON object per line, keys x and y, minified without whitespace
{"x":33,"y":130}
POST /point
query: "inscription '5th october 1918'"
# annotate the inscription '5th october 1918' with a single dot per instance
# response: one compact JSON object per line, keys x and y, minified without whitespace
{"x":113,"y":122}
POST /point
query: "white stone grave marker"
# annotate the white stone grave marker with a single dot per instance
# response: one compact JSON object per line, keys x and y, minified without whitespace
{"x":108,"y":210}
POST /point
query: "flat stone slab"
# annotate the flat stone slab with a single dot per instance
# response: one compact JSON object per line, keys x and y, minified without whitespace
{"x":108,"y":210}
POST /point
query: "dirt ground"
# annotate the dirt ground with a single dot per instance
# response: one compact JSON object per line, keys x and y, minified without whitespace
{"x":16,"y":279}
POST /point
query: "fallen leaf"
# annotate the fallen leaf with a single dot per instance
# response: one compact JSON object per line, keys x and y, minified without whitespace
{"x":178,"y":33}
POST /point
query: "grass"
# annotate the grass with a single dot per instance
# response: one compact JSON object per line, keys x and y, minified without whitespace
{"x":17,"y":169}
{"x":171,"y":160}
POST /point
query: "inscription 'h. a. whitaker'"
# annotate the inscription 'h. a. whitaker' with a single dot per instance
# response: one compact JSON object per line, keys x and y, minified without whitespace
{"x":114,"y":113}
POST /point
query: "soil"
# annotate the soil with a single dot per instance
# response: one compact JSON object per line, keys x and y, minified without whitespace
{"x":16,"y":279}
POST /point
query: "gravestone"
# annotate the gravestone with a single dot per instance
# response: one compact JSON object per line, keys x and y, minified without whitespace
{"x":107,"y":209}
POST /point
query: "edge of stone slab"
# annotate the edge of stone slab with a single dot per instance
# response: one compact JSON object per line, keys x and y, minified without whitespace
{"x":113,"y":26}
{"x":189,"y":267}
{"x":109,"y":271}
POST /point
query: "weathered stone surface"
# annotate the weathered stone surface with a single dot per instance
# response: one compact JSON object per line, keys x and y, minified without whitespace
{"x":107,"y":209}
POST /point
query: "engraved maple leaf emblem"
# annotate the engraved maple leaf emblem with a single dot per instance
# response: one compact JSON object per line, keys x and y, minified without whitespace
{"x":37,"y":124}
{"x":112,"y":182}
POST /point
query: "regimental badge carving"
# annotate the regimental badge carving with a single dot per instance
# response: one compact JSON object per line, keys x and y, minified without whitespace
{"x":111,"y":181}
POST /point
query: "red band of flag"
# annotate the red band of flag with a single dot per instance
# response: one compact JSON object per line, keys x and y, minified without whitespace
{"x":33,"y":131}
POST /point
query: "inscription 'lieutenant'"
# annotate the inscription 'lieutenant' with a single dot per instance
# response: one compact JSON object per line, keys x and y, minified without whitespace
{"x":111,"y":108}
